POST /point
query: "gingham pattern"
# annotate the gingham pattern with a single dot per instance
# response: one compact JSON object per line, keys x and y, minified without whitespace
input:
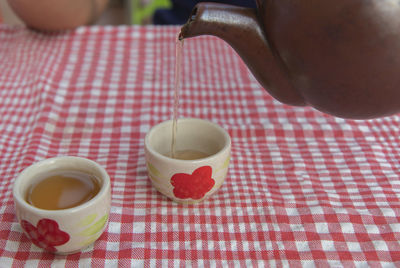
{"x":304,"y":188}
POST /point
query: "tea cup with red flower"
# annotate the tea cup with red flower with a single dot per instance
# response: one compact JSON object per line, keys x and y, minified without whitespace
{"x":190,"y":164}
{"x":62,"y":230}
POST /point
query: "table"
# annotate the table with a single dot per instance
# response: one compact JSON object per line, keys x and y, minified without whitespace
{"x":304,"y":188}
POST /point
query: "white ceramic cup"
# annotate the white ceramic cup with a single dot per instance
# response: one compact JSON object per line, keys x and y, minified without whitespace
{"x":63,"y":231}
{"x":188,"y":181}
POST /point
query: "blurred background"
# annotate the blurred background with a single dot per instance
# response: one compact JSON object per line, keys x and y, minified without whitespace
{"x":119,"y":12}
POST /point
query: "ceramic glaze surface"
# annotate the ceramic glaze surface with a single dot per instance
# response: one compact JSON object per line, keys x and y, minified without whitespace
{"x":341,"y":57}
{"x":63,"y":231}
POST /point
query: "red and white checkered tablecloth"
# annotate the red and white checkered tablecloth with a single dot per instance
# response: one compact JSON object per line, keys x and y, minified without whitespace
{"x":304,"y":188}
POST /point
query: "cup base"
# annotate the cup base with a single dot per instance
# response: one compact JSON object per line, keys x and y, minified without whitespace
{"x":183,"y":201}
{"x":73,"y":251}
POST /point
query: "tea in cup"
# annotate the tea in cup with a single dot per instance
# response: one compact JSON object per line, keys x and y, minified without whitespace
{"x":63,"y":203}
{"x":199,"y":164}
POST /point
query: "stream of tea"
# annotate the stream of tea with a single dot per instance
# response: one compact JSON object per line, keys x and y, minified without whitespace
{"x":187,"y":154}
{"x":177,"y":87}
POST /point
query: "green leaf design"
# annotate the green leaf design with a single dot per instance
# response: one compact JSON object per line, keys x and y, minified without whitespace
{"x":89,"y":241}
{"x":96,"y":227}
{"x":154,"y":178}
{"x":225,"y":164}
{"x":87,"y":220}
{"x":154,"y":173}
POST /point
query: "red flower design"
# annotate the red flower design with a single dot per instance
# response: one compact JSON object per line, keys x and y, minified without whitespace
{"x":194,"y":185}
{"x":46,"y":235}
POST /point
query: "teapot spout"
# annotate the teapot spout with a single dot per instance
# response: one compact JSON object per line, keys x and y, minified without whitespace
{"x":240,"y":28}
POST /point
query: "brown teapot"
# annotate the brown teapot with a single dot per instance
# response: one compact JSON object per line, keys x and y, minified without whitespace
{"x":341,"y":57}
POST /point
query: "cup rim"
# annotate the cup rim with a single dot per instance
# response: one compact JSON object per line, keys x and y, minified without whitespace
{"x":226,"y":146}
{"x":105,"y":186}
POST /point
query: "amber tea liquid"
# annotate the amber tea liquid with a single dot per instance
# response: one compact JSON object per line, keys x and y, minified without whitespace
{"x":62,"y":191}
